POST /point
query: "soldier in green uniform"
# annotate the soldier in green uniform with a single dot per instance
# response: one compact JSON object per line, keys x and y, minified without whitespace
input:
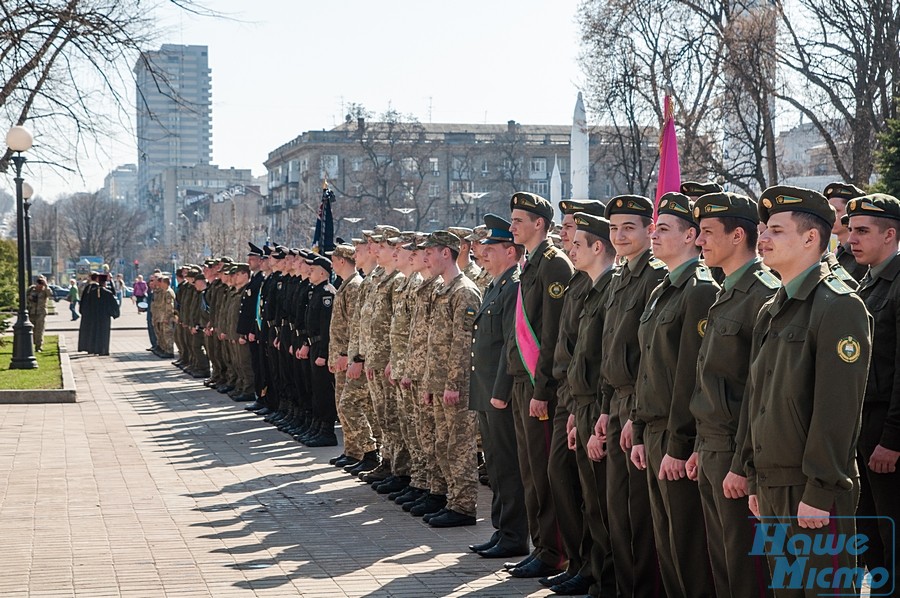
{"x":809,"y":364}
{"x":593,"y":254}
{"x":838,"y":194}
{"x":874,"y":234}
{"x":728,"y":236}
{"x":37,"y":296}
{"x":672,"y":328}
{"x":542,"y":286}
{"x":630,"y":524}
{"x":562,"y":467}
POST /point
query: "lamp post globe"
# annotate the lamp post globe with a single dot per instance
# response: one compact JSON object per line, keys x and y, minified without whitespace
{"x":19,"y":140}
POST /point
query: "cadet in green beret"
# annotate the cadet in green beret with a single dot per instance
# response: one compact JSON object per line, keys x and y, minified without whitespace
{"x":694,"y":190}
{"x":728,"y":236}
{"x":671,"y":331}
{"x":593,"y":255}
{"x":630,"y":523}
{"x":530,"y":351}
{"x":809,"y":363}
{"x":838,"y":194}
{"x":874,"y":233}
{"x":563,"y":468}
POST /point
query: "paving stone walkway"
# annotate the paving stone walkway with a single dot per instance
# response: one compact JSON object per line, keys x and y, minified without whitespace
{"x":152,"y":485}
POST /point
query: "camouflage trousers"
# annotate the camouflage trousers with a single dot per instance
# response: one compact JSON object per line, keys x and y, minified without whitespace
{"x":38,"y":321}
{"x":378,"y":414}
{"x":407,"y":418}
{"x":353,"y":400}
{"x":454,"y":449}
{"x":431,"y":477}
{"x":164,"y":334}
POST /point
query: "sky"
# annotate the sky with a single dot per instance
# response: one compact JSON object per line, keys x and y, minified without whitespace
{"x":282,"y":67}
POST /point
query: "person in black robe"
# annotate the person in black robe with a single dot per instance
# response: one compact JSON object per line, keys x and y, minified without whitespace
{"x":98,"y":305}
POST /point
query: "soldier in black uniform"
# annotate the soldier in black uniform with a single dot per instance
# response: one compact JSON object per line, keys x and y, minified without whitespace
{"x":249,"y":320}
{"x":315,"y":352}
{"x":874,"y":222}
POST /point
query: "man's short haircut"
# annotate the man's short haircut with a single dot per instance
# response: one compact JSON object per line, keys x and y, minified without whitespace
{"x":751,"y":232}
{"x":520,"y":249}
{"x":608,"y":249}
{"x":165,"y":279}
{"x":454,"y":253}
{"x":547,"y":223}
{"x":886,"y":223}
{"x":806,"y":222}
{"x":646,"y":221}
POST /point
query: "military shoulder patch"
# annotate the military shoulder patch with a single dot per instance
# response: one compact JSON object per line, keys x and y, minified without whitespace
{"x":704,"y":274}
{"x":701,"y":327}
{"x":767,"y":278}
{"x":838,"y":286}
{"x":848,"y":349}
{"x":551,"y":253}
{"x":470,"y":311}
{"x":556,"y":290}
{"x":657,"y":264}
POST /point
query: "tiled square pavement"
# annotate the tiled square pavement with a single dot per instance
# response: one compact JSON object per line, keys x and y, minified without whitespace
{"x":152,"y":485}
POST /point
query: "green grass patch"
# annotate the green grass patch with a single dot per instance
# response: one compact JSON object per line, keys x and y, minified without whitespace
{"x":48,"y":374}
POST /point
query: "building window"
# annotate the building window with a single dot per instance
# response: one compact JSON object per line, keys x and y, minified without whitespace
{"x":484,"y":167}
{"x":434,"y":166}
{"x":537,"y":168}
{"x":356,"y":164}
{"x":539,"y":187}
{"x":563,"y":165}
{"x":434,"y":190}
{"x":328,"y":166}
{"x":409,"y":165}
{"x":460,"y":169}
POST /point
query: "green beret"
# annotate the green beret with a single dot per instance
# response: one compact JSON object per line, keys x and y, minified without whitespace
{"x":225,"y":260}
{"x":588,"y":206}
{"x":726,"y":205}
{"x":879,"y":205}
{"x":441,"y":238}
{"x":590,"y":223}
{"x":629,"y":204}
{"x":783,"y":198}
{"x":695,"y":189}
{"x":531,"y":202}
{"x":845,"y":191}
{"x":677,"y":204}
{"x":245,"y":268}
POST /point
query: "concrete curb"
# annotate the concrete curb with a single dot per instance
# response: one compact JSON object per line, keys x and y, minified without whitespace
{"x":67,"y":394}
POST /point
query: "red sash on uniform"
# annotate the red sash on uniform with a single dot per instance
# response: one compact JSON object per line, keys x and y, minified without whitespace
{"x":526,"y":341}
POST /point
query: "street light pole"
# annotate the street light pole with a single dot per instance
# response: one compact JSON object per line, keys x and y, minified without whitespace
{"x":19,"y":140}
{"x":27,"y":192}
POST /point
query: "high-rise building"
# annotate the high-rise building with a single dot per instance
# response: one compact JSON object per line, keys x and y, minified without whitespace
{"x":174,"y":111}
{"x":120,"y":184}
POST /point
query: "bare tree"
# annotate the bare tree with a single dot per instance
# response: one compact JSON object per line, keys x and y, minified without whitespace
{"x":92,"y":225}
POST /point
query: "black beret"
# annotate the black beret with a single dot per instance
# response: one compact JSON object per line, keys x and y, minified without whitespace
{"x":629,"y":204}
{"x":679,"y":205}
{"x":843,"y":191}
{"x":726,"y":205}
{"x":879,"y":205}
{"x":497,"y":230}
{"x":695,"y":189}
{"x":783,"y":198}
{"x":531,"y":202}
{"x":588,"y":206}
{"x":590,"y":223}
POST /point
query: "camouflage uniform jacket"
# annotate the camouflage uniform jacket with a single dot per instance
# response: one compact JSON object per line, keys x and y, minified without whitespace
{"x":345,"y":301}
{"x":449,"y":353}
{"x":399,"y":335}
{"x":377,"y":328}
{"x":357,"y":347}
{"x":483,"y":280}
{"x":163,"y":306}
{"x":421,"y":304}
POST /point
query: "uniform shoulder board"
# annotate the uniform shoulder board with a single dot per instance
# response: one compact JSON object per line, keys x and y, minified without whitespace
{"x":838,"y":286}
{"x":330,"y":288}
{"x":656,"y":264}
{"x":550,"y":253}
{"x":767,"y":278}
{"x":704,"y":274}
{"x":841,"y":273}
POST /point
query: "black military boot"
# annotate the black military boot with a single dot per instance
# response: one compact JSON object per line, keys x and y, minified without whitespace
{"x":370,"y":461}
{"x":325,"y":436}
{"x":380,"y":473}
{"x":399,"y":482}
{"x":433,"y":503}
{"x":314,"y":428}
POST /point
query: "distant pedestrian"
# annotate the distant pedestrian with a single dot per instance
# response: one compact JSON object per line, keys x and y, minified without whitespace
{"x":119,"y":286}
{"x":38,"y":293}
{"x":139,"y":294}
{"x":72,"y":298}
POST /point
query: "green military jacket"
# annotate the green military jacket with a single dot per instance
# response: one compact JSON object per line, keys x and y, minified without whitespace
{"x":671,"y":331}
{"x":542,"y":284}
{"x":808,"y":370}
{"x":724,"y":358}
{"x":584,"y":377}
{"x":420,"y":320}
{"x":573,"y":302}
{"x":629,"y":291}
{"x":448,"y":362}
{"x":342,"y":316}
{"x":881,"y":294}
{"x":839,"y":271}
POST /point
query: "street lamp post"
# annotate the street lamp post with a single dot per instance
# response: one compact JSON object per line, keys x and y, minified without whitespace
{"x":27,"y":192}
{"x":19,"y":140}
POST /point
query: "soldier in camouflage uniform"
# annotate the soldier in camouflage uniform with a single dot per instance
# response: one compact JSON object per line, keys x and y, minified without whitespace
{"x":446,"y":384}
{"x":358,"y":440}
{"x":399,"y":345}
{"x":466,"y":265}
{"x":163,"y":315}
{"x":483,"y":279}
{"x":428,"y":486}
